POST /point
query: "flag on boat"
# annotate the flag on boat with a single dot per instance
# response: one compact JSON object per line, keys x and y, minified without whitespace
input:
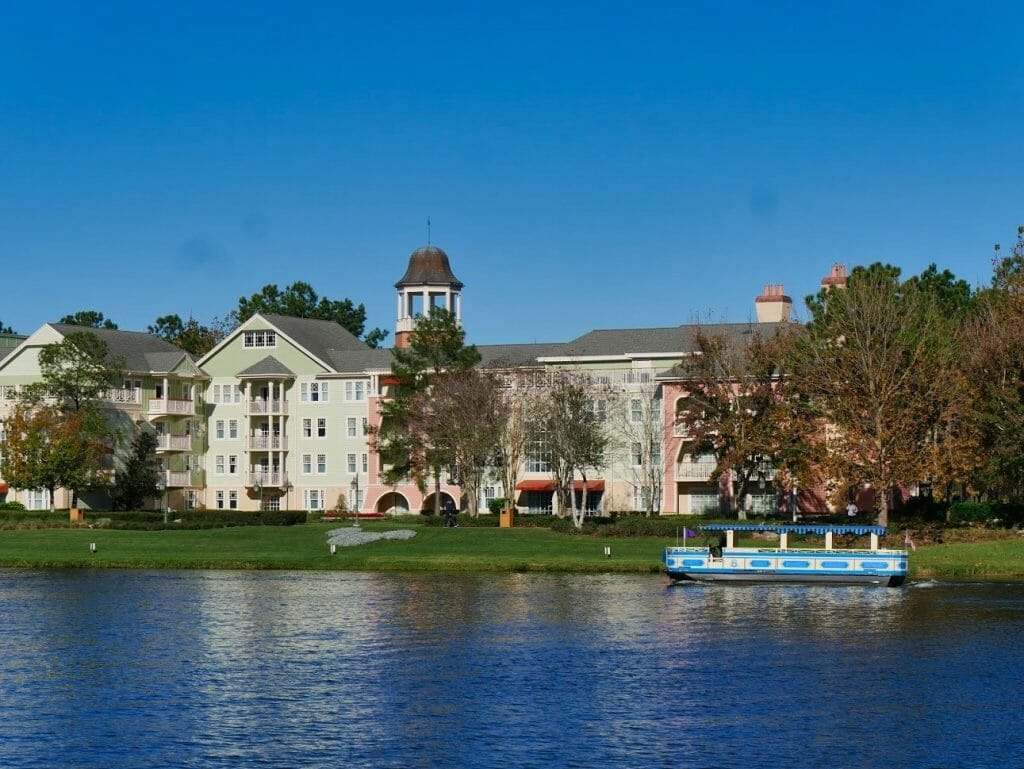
{"x":909,"y":541}
{"x":689,"y":533}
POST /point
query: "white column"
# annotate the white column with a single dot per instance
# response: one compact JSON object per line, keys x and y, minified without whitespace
{"x":828,"y":540}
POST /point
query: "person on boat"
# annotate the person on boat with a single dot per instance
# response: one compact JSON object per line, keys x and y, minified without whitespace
{"x":851,"y":510}
{"x":716,"y":551}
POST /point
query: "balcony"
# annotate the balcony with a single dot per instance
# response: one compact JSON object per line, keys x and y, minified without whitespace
{"x":266,"y":478}
{"x":169,"y":406}
{"x":699,"y":470}
{"x":177,"y":479}
{"x":260,"y":407}
{"x":266,"y":442}
{"x":173,"y":442}
{"x":128,"y":396}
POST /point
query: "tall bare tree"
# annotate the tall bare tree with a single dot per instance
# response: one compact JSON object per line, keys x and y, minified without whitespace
{"x":565,"y":420}
{"x":635,"y":417}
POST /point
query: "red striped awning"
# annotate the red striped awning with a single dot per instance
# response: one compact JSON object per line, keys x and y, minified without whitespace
{"x":591,"y":486}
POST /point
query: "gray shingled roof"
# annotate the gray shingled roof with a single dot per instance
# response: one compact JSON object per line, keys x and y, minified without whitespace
{"x":140,"y":352}
{"x":358,"y":361}
{"x":637,"y":341}
{"x":509,"y":355}
{"x":737,"y":334}
{"x":319,"y":337}
{"x":269,"y":366}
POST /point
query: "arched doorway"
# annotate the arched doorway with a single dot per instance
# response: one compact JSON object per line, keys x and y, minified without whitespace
{"x":392,"y":503}
{"x":428,"y":502}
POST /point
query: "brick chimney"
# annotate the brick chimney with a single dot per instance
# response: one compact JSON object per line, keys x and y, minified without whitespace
{"x":773,"y":306}
{"x":836,"y":277}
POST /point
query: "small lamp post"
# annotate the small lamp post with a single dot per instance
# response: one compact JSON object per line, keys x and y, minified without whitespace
{"x":355,"y":499}
{"x":287,"y":487}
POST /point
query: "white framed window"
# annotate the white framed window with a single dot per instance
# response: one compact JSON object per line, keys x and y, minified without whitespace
{"x":191,"y":499}
{"x":307,"y":464}
{"x":233,"y":500}
{"x":272,"y":504}
{"x":232,"y":428}
{"x":264,"y":338}
{"x":351,"y":463}
{"x":351,"y":429}
{"x":489,"y":495}
{"x":356,"y":391}
{"x":216,"y":393}
{"x":366,"y":425}
{"x":601,"y":409}
{"x":355,"y":499}
{"x":219,"y":429}
{"x":218,"y":464}
{"x":38,"y":499}
{"x":636,"y":411}
{"x":538,"y":457}
{"x":639,"y":498}
{"x":321,"y":464}
{"x":313,"y":499}
{"x":656,"y":455}
{"x":321,"y":427}
{"x":219,"y":500}
{"x":232,"y":464}
{"x":307,"y":428}
{"x":238,"y":394}
{"x":635,"y":455}
{"x":366,"y":463}
{"x":304,"y":392}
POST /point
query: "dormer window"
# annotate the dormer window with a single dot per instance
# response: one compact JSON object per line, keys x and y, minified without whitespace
{"x":263,"y":338}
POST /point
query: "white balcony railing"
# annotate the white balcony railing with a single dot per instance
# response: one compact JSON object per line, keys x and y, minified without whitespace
{"x":260,"y":406}
{"x":266,"y":442}
{"x":129,"y":396}
{"x":173,"y":442}
{"x":176,"y":479}
{"x":265,"y":478}
{"x":699,"y":470}
{"x":171,"y":406}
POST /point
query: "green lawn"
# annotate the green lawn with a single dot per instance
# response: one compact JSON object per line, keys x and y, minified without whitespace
{"x":305,"y":547}
{"x":432,"y":549}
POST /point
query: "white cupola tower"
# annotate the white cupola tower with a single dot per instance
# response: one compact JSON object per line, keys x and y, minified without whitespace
{"x":428,"y":283}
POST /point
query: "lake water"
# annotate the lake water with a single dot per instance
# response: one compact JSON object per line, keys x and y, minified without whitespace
{"x":272,"y":669}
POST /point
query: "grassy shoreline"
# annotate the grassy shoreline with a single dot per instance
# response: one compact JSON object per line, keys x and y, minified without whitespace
{"x":464,"y":549}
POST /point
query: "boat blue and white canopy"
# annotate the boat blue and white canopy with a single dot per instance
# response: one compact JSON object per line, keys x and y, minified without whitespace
{"x":820,"y":529}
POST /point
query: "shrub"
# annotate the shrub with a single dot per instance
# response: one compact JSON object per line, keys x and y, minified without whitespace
{"x":11,"y":506}
{"x":970,"y":512}
{"x":496,"y":505}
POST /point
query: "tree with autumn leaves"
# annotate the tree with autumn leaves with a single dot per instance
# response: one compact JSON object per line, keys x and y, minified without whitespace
{"x":58,"y":435}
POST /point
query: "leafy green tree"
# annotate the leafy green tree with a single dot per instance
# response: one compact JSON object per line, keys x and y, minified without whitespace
{"x":189,"y":335}
{"x":407,"y":439}
{"x":740,"y":409}
{"x":90,"y":319}
{"x":993,"y":368}
{"x":871,"y":370}
{"x":5,"y":329}
{"x":75,"y":372}
{"x":47,"y":448}
{"x":137,"y":480}
{"x":72,"y":440}
{"x":299,"y":300}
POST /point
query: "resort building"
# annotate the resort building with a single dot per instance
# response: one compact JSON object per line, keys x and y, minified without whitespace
{"x":279,"y":414}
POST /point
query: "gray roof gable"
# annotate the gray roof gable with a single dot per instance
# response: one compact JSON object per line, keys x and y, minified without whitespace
{"x":637,"y":341}
{"x":269,"y":366}
{"x":318,"y":337}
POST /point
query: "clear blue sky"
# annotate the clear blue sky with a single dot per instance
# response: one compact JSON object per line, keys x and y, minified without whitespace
{"x":585,"y":165}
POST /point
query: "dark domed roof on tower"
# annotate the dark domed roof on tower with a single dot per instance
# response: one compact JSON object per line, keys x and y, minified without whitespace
{"x":429,"y":266}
